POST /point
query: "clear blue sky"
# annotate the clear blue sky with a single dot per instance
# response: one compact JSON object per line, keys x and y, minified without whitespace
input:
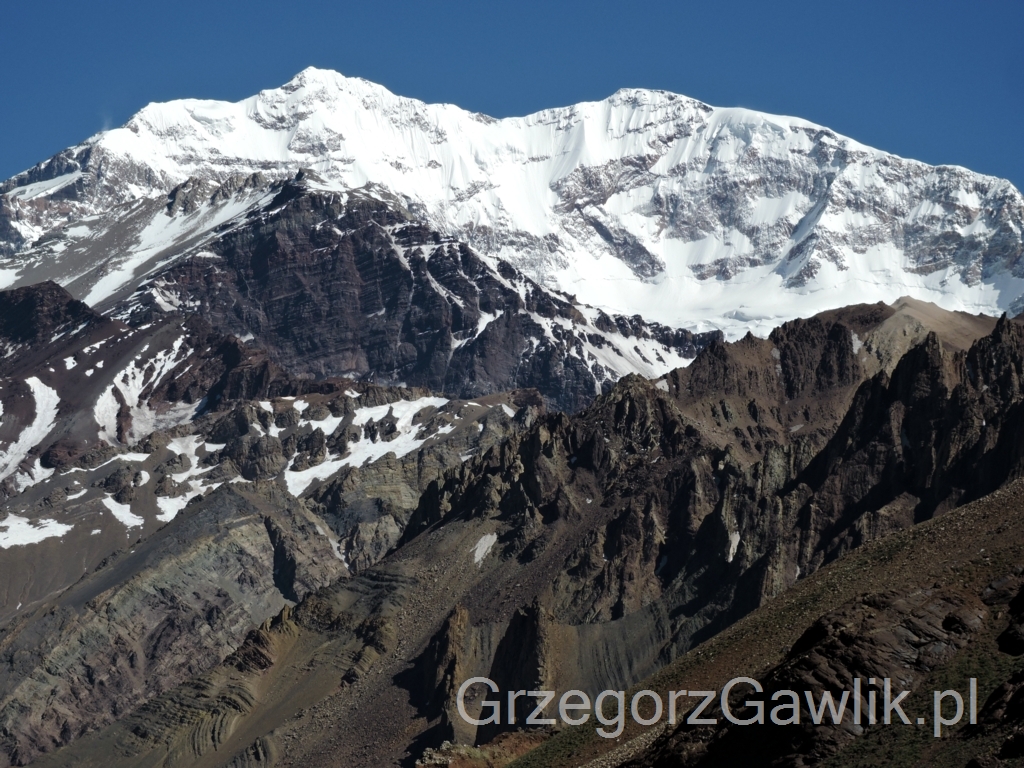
{"x":939,"y":81}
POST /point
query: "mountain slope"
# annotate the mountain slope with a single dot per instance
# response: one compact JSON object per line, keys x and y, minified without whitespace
{"x":277,"y":455}
{"x":109,"y":431}
{"x":589,"y":551}
{"x":645,"y":203}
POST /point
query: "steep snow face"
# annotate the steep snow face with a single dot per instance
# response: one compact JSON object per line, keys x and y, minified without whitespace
{"x":645,"y":203}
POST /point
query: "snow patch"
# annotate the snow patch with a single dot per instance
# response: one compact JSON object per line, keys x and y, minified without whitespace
{"x":407,"y":440}
{"x":123,"y":512}
{"x":298,"y":482}
{"x":328,"y":425}
{"x":36,"y":474}
{"x":8,"y":277}
{"x":170,"y":507}
{"x":185,"y":446}
{"x":17,"y":531}
{"x":483,"y":547}
{"x":734,"y":544}
{"x":483,"y":321}
{"x":47,"y":187}
{"x":335,"y":544}
{"x":119,"y":457}
{"x":47,"y":403}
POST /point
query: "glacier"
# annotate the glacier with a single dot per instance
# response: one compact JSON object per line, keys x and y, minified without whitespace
{"x":647,"y":202}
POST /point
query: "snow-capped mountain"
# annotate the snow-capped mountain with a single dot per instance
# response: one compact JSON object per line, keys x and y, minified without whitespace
{"x":645,"y":203}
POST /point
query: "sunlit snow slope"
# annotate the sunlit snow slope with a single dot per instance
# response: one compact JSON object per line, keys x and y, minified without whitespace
{"x":647,"y":202}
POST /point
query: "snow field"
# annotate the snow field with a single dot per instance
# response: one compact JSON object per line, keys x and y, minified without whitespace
{"x":632,"y":162}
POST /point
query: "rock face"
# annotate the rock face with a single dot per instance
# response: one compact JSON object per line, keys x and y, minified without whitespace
{"x":362,"y":457}
{"x":370,"y":508}
{"x":31,"y":316}
{"x":353,"y":286}
{"x":927,"y":607}
{"x":74,"y":381}
{"x":151,"y":618}
{"x":644,"y":203}
{"x":194,"y":450}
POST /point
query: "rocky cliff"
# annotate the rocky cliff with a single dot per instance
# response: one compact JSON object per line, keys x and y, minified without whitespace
{"x":353,"y":286}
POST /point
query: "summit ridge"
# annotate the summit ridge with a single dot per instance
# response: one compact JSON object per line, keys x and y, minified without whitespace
{"x":646,"y":202}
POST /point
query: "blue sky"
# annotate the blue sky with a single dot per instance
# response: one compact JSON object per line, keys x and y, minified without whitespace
{"x":941,"y":82}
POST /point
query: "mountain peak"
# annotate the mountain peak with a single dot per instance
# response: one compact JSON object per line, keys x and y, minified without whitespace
{"x":316,"y":74}
{"x":319,"y":80}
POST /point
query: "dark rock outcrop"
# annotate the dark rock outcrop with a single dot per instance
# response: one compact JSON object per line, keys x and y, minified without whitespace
{"x":31,"y":317}
{"x":356,"y":287}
